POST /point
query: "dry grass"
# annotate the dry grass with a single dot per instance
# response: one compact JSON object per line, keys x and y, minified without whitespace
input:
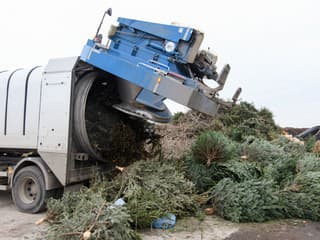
{"x":316,"y":148}
{"x":177,"y":139}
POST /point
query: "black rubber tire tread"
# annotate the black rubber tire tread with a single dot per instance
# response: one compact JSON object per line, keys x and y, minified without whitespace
{"x":39,"y":204}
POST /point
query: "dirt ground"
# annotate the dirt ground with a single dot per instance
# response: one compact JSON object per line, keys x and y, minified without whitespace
{"x":215,"y":228}
{"x":15,"y":226}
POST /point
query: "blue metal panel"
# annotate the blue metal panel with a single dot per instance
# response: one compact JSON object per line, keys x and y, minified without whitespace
{"x":138,"y":69}
{"x":137,"y":54}
{"x":129,"y":70}
{"x":169,"y":32}
{"x":141,"y":53}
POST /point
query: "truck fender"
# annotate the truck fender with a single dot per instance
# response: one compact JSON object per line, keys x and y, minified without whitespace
{"x":50,"y":179}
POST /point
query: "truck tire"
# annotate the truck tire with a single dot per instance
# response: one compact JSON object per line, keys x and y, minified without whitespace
{"x":29,"y":190}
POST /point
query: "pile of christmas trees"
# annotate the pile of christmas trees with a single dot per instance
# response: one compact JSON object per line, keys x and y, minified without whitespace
{"x":238,"y":163}
{"x":147,"y":190}
{"x":253,"y":173}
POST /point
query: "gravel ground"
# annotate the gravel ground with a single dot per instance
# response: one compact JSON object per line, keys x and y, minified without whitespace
{"x":15,"y":225}
{"x":212,"y":228}
{"x":279,"y":230}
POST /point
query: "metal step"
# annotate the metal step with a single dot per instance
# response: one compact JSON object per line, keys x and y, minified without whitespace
{"x":4,"y":187}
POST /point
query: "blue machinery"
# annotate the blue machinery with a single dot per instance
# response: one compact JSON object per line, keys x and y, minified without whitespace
{"x":56,"y":122}
{"x":152,"y":62}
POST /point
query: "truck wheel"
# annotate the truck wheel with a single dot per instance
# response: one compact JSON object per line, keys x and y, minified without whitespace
{"x":29,"y":190}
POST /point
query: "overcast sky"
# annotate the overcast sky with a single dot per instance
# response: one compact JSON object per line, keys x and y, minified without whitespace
{"x":273,"y":46}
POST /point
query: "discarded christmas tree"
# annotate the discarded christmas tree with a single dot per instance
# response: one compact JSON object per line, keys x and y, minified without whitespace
{"x":87,"y":215}
{"x":238,"y":162}
{"x":152,"y":189}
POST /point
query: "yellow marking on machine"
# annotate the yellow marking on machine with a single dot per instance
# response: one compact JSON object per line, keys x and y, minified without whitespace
{"x":157,"y":84}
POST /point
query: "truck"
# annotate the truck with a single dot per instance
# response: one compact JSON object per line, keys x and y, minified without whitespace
{"x":50,"y":115}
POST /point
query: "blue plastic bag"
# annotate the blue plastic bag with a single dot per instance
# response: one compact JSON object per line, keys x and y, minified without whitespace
{"x":165,"y":222}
